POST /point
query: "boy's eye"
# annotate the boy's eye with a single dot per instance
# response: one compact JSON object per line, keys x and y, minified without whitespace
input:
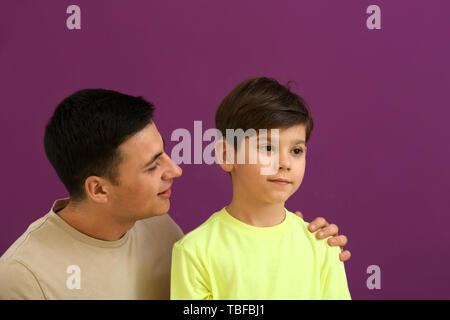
{"x":267,"y":148}
{"x":298,"y":151}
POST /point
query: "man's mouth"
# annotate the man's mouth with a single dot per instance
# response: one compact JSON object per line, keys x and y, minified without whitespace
{"x":166,"y":193}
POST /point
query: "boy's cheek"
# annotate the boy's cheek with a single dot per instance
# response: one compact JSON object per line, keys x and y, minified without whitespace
{"x":268,"y":165}
{"x":295,"y":188}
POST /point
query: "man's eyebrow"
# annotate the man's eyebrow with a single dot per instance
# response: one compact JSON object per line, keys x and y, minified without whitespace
{"x":156,"y":156}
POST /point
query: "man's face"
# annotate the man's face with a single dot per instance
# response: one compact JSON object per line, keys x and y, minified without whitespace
{"x":144,"y":177}
{"x":284,"y":179}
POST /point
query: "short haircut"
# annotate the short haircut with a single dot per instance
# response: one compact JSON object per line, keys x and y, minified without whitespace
{"x":83,"y":135}
{"x":262,"y":103}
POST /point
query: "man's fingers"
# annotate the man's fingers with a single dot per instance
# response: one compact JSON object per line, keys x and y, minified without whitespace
{"x":340,"y":241}
{"x":329,"y":231}
{"x":345,"y":255}
{"x":318,"y":223}
{"x":299,"y":214}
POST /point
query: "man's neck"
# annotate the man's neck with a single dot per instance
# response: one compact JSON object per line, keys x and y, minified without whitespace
{"x":94,"y":221}
{"x":256,"y":213}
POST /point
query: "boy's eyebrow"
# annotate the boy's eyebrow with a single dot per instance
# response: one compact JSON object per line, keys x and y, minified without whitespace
{"x":299,"y":141}
{"x":156,"y":156}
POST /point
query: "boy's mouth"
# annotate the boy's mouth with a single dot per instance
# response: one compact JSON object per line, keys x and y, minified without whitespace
{"x":280,"y":181}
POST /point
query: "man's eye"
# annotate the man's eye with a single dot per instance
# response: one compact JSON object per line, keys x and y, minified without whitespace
{"x":267,"y":148}
{"x":152,"y":168}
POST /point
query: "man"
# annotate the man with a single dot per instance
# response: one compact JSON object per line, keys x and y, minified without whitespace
{"x":112,"y":239}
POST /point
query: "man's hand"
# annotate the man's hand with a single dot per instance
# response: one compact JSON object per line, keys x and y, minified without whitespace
{"x":327,"y":230}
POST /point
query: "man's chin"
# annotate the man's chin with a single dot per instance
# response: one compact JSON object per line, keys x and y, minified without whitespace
{"x":160,"y":211}
{"x":152,"y":214}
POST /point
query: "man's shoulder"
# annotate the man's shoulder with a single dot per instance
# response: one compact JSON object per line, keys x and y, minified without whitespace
{"x":35,"y":235}
{"x":18,"y":265}
{"x":18,"y":281}
{"x":162,"y":225}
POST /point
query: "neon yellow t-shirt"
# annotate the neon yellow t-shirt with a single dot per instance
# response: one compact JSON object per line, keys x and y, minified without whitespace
{"x":225,"y":258}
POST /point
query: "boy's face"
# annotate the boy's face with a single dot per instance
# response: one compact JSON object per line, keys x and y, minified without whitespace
{"x":285,"y":177}
{"x":143,"y":174}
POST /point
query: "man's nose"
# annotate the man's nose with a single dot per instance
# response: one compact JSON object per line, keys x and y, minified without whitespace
{"x":173,"y":170}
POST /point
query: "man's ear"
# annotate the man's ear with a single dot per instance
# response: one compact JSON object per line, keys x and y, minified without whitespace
{"x":97,"y":189}
{"x":225,"y":155}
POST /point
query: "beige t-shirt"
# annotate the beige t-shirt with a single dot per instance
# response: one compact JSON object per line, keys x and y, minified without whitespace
{"x":52,"y":260}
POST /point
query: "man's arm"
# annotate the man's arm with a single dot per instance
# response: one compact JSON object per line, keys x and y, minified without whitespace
{"x":17,"y":282}
{"x":329,"y":230}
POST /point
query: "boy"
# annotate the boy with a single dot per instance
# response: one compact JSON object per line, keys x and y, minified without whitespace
{"x":254,"y":248}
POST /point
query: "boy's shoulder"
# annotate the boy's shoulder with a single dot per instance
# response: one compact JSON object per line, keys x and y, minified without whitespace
{"x":211,"y":232}
{"x":299,"y":224}
{"x":320,"y":246}
{"x":202,"y":234}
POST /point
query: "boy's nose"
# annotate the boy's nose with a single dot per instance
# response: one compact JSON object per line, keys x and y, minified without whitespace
{"x":284,"y":162}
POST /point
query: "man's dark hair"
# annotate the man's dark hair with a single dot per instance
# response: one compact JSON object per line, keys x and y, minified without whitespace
{"x":262,"y":103}
{"x":85,"y":131}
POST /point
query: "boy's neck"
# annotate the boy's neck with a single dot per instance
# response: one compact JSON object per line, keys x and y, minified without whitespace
{"x":257,"y":214}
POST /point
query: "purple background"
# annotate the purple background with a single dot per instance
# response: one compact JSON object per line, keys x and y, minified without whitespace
{"x":378,"y":159}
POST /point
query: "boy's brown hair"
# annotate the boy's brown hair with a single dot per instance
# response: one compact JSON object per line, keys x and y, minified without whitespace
{"x":262,"y":103}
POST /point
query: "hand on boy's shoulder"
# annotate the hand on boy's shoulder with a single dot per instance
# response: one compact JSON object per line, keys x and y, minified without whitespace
{"x":328,"y":230}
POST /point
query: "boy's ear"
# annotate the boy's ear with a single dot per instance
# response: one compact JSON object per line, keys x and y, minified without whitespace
{"x":224,"y":155}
